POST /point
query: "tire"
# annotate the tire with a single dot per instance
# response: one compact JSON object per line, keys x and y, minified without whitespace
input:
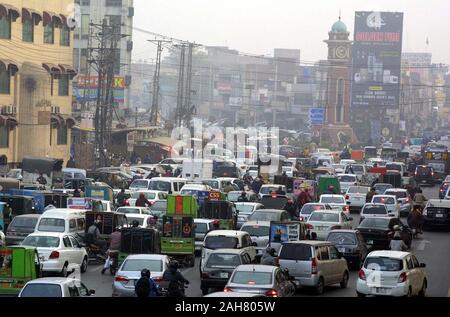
{"x":64,"y":270}
{"x":360,"y":295}
{"x":423,"y":291}
{"x":84,"y":265}
{"x":344,"y":281}
{"x":320,"y":287}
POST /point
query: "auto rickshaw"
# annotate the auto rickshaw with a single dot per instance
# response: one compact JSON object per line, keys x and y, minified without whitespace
{"x":18,"y":266}
{"x":325,"y":181}
{"x":108,"y":222}
{"x":219,"y":208}
{"x":15,"y":206}
{"x":178,"y":239}
{"x":100,"y":193}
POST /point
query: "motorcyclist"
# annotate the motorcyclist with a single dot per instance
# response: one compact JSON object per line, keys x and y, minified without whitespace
{"x":420,"y":199}
{"x":415,"y":218}
{"x":142,"y":201}
{"x":269,"y":257}
{"x":397,"y":244}
{"x":121,"y":198}
{"x":146,"y":286}
{"x":280,"y":191}
{"x":290,"y":208}
{"x":228,"y":188}
{"x":114,"y":248}
{"x":94,"y":234}
{"x":176,"y":280}
{"x":243,"y":197}
{"x":370,"y":195}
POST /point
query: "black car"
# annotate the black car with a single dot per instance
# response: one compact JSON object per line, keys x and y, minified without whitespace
{"x":437,"y":213}
{"x":379,"y":231}
{"x":20,"y":227}
{"x":424,"y":175}
{"x":351,"y":244}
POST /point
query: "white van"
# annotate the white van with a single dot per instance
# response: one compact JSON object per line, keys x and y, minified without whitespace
{"x":227,"y":239}
{"x":68,"y":221}
{"x":170,"y":185}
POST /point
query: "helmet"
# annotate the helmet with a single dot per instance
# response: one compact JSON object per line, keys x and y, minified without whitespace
{"x":145,"y":273}
{"x":174,"y":265}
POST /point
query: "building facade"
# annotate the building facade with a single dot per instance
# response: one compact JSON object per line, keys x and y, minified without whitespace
{"x":36,"y":71}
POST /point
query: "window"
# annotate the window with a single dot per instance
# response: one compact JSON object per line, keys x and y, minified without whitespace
{"x":5,"y":28}
{"x":409,"y":263}
{"x":114,"y":20}
{"x":66,"y":241}
{"x":4,"y":137}
{"x":81,"y":224}
{"x":49,"y":33}
{"x":64,"y":39}
{"x":75,"y":243}
{"x":42,"y":290}
{"x":415,"y":262}
{"x":63,"y":85}
{"x":5,"y":83}
{"x":298,"y":252}
{"x":72,"y":225}
{"x":28,"y":31}
{"x":62,"y":134}
{"x":85,"y":25}
{"x":334,"y":255}
{"x":73,"y":291}
{"x":324,"y":253}
{"x":83,"y":290}
{"x":113,"y":3}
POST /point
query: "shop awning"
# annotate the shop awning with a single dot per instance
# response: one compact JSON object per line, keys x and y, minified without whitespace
{"x":8,"y":65}
{"x":52,"y":69}
{"x":68,"y":70}
{"x":7,"y":10}
{"x":50,"y":17}
{"x":70,"y":121}
{"x":31,"y":15}
{"x":9,"y":121}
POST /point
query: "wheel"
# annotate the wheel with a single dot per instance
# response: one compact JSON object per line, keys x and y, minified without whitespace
{"x":423,"y":291}
{"x":84,"y":265}
{"x":64,"y":270}
{"x":320,"y":286}
{"x":360,"y":294}
{"x":344,"y":281}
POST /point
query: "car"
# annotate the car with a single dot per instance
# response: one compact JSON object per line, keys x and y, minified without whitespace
{"x":219,"y":267}
{"x":269,"y":215}
{"x":392,"y":273}
{"x":424,"y":175}
{"x":373,"y":210}
{"x":245,"y":210}
{"x":347,"y":162}
{"x":140,"y":184}
{"x":259,"y":231}
{"x":52,"y":287}
{"x":193,"y":189}
{"x":20,"y":227}
{"x":202,"y":227}
{"x":151,"y":195}
{"x":253,"y":171}
{"x":309,"y":208}
{"x":380,"y":188}
{"x":347,"y":180}
{"x":159,"y":208}
{"x":403,"y":198}
{"x":379,"y":231}
{"x":391,"y":202}
{"x":436,"y":213}
{"x":260,"y":279}
{"x":443,"y":189}
{"x":357,"y":169}
{"x":234,"y":195}
{"x":107,"y":206}
{"x":59,"y":253}
{"x":143,"y":220}
{"x":271,"y":188}
{"x":336,"y":202}
{"x":321,"y":222}
{"x":356,"y":197}
{"x":351,"y":244}
{"x":338,"y":168}
{"x":134,"y":210}
{"x":314,"y":264}
{"x":130,"y":272}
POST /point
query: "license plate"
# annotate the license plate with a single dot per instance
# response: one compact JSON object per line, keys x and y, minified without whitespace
{"x":439,"y":216}
{"x":381,"y":290}
{"x":342,"y":250}
{"x":223,"y":275}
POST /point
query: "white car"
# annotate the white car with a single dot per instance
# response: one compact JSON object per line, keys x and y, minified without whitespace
{"x":347,"y":180}
{"x":52,"y":287}
{"x":357,"y":169}
{"x":356,"y":196}
{"x":193,"y":189}
{"x":373,"y":210}
{"x":338,"y":168}
{"x":259,"y":231}
{"x":58,"y":252}
{"x":346,"y":162}
{"x":391,"y":273}
{"x":309,"y":208}
{"x":269,"y":189}
{"x":323,"y":221}
{"x":134,"y":210}
{"x":392,"y":205}
{"x":143,"y":220}
{"x":151,"y":195}
{"x":336,"y":202}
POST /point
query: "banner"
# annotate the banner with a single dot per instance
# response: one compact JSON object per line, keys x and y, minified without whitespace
{"x":377,"y":57}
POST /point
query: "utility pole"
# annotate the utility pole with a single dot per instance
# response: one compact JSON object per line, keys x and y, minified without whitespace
{"x":180,"y":95}
{"x":187,"y":105}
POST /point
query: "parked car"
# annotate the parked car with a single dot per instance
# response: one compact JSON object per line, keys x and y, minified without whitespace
{"x":260,"y":279}
{"x":134,"y":210}
{"x":378,"y":232}
{"x":403,"y":199}
{"x":259,"y":231}
{"x":130,"y":272}
{"x":437,"y":213}
{"x":269,"y":215}
{"x":309,"y":208}
{"x":20,"y":227}
{"x":245,"y":210}
{"x":351,"y":244}
{"x":323,"y":221}
{"x":356,"y":197}
{"x":219,"y":267}
{"x":347,"y":180}
{"x":52,"y":287}
{"x":392,"y":273}
{"x":314,"y":264}
{"x":59,"y":253}
{"x":391,"y":203}
{"x":202,"y":227}
{"x":380,"y":188}
{"x":424,"y":175}
{"x":336,"y":202}
{"x":373,"y":210}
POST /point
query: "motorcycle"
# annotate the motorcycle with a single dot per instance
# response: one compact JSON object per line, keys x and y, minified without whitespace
{"x":114,"y":262}
{"x":416,"y":223}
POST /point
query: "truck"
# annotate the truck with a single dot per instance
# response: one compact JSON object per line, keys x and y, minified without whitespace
{"x":197,"y":169}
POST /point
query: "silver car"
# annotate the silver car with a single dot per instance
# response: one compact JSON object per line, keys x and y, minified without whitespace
{"x":259,"y":231}
{"x":202,"y":227}
{"x":245,"y":210}
{"x":52,"y":287}
{"x":130,"y":272}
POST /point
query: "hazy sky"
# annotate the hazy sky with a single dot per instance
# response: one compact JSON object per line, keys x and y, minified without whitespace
{"x":258,"y":26}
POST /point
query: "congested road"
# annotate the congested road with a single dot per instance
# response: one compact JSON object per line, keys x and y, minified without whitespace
{"x":432,"y":248}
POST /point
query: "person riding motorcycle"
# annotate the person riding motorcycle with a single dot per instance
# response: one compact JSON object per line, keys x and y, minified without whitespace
{"x":397,"y":243}
{"x":269,"y":257}
{"x":420,"y":199}
{"x":243,"y":197}
{"x":146,"y":286}
{"x":93,"y":237}
{"x":114,"y":248}
{"x":415,"y":219}
{"x":176,"y":280}
{"x":142,"y":201}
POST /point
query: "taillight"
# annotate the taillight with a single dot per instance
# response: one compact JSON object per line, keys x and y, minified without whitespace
{"x":158,"y":279}
{"x":347,"y":197}
{"x":272,"y":293}
{"x":362,"y":275}
{"x":314,"y":266}
{"x":205,"y":275}
{"x":403,"y":277}
{"x":54,"y":255}
{"x":227,"y":290}
{"x":415,"y":173}
{"x":432,"y":173}
{"x":121,"y":279}
{"x":309,"y":226}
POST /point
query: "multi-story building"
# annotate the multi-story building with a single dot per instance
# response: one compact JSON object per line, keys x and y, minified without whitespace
{"x":35,"y":79}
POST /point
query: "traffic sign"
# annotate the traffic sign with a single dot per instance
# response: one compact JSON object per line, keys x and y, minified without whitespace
{"x":316,"y":116}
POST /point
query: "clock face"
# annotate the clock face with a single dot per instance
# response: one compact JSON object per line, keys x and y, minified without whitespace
{"x":341,"y":52}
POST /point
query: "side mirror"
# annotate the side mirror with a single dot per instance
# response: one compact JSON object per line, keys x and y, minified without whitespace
{"x":422,"y":265}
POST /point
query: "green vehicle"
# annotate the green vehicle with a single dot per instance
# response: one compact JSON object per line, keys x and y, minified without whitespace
{"x":18,"y":266}
{"x":178,"y":240}
{"x":217,"y":207}
{"x":325,"y":181}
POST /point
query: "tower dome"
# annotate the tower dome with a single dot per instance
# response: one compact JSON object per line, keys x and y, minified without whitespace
{"x":339,"y":27}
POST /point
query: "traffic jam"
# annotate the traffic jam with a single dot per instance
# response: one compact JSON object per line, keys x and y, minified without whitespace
{"x":352,"y":223}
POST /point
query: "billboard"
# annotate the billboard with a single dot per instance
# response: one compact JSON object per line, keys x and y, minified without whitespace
{"x":85,"y":89}
{"x":377,"y":57}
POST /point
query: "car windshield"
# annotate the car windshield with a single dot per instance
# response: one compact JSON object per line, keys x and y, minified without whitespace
{"x":234,"y":196}
{"x":324,"y":216}
{"x":129,"y":210}
{"x":355,"y":168}
{"x":160,"y":185}
{"x":252,"y":278}
{"x":23,"y":222}
{"x":384,"y":200}
{"x":424,"y":170}
{"x":398,"y":194}
{"x":358,"y":190}
{"x":332,"y":200}
{"x":42,"y":290}
{"x":136,"y":195}
{"x":52,"y":225}
{"x":298,"y":252}
{"x":308,"y":209}
{"x":375,"y":210}
{"x":221,"y":242}
{"x":244,"y":209}
{"x":159,"y":205}
{"x":265,"y":216}
{"x":223,"y":260}
{"x":137,"y":265}
{"x":257,"y":231}
{"x":139,"y":184}
{"x":342,"y":238}
{"x":383,"y":264}
{"x":212,"y":184}
{"x":347,"y":179}
{"x":41,"y":242}
{"x":375,"y":223}
{"x":201,"y":228}
{"x":268,"y":190}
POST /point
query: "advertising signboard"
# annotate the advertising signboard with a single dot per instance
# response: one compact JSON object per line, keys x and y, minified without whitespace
{"x":377,"y":57}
